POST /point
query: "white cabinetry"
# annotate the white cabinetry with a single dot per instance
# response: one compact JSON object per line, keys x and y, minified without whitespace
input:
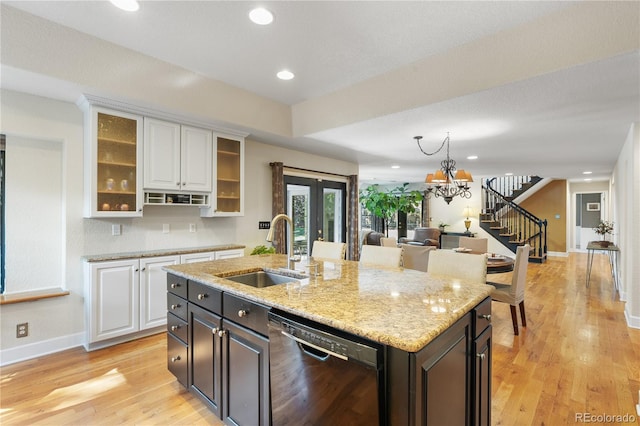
{"x":124,"y":297}
{"x":227,"y":196}
{"x":177,"y":157}
{"x":112,"y":163}
{"x":211,"y":255}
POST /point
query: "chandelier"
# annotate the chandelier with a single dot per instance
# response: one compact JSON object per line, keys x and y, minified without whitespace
{"x":447,"y":182}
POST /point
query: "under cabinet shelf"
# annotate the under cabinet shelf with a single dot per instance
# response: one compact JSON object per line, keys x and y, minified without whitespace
{"x":115,"y":164}
{"x":176,"y":199}
{"x":116,"y":141}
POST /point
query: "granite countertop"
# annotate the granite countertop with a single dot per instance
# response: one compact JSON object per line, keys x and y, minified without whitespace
{"x":398,"y":307}
{"x":159,"y":252}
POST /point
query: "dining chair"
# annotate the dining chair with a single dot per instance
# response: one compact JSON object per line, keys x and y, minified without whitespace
{"x":388,"y":242}
{"x":381,"y":256}
{"x":463,"y":266}
{"x":416,"y":257}
{"x":477,"y":245}
{"x":513,"y":293}
{"x":328,"y":250}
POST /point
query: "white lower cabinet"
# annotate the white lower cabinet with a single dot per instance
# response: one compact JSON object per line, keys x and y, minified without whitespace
{"x":126,"y":298}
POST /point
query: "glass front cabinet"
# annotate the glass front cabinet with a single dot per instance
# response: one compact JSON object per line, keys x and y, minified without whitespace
{"x":228,"y":180}
{"x":113,"y":158}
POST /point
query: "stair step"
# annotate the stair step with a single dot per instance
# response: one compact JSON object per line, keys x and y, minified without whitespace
{"x":507,"y":235}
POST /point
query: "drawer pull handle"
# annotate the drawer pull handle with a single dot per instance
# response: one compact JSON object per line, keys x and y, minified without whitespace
{"x":201,"y":296}
{"x":175,"y":358}
{"x":242,"y":313}
{"x":175,"y":306}
{"x":481,"y":356}
{"x":487,"y":317}
{"x":175,"y":327}
{"x":175,"y":285}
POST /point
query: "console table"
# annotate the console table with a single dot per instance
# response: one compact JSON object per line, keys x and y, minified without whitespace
{"x":449,"y":240}
{"x":612,"y":251}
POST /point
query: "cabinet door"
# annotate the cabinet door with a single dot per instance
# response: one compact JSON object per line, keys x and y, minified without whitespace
{"x":196,"y":147}
{"x":205,"y":357}
{"x":443,"y":381}
{"x":228,"y":185}
{"x":153,"y":292}
{"x":197,"y":257}
{"x":114,"y":299}
{"x":482,"y":378}
{"x":161,"y":155}
{"x":113,"y":159}
{"x":246,"y":376}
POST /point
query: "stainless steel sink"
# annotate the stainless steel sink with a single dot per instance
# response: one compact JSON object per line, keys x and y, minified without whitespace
{"x":262,"y":279}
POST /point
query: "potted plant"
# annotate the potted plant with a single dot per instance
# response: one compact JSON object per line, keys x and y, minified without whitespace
{"x":442,"y":226}
{"x":263,"y":250}
{"x":385,"y":204}
{"x":604,"y":228}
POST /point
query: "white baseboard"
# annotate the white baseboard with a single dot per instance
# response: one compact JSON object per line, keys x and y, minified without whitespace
{"x":632,"y":321}
{"x":45,"y":347}
{"x":558,"y":253}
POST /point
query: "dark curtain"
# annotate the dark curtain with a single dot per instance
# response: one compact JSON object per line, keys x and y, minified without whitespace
{"x":277,"y":205}
{"x":353,"y":225}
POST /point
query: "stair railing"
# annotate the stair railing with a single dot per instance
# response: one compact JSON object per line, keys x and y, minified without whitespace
{"x":524,"y":226}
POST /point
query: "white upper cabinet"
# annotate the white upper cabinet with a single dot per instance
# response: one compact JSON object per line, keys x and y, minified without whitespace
{"x":113,"y":156}
{"x":177,"y":157}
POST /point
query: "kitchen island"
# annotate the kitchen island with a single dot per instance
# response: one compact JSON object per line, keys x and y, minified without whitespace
{"x":435,"y":333}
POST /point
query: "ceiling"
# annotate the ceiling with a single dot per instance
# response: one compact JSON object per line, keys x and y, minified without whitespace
{"x":558,"y":122}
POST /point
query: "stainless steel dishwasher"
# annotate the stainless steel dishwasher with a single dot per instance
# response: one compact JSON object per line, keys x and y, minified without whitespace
{"x":321,"y":376}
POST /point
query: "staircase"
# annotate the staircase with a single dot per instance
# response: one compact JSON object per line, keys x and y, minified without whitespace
{"x":509,"y":223}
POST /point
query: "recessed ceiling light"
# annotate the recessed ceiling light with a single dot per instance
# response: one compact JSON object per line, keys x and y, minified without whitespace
{"x":395,"y":166}
{"x":586,"y":173}
{"x":508,"y":174}
{"x":588,"y":180}
{"x":285,"y":75}
{"x":261,"y":16}
{"x":472,"y":157}
{"x":128,"y":5}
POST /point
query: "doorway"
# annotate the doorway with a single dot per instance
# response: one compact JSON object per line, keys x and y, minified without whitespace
{"x":589,"y":211}
{"x":318,"y":210}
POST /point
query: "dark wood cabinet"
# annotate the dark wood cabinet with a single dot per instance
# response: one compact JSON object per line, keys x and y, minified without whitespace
{"x":245,"y":373}
{"x":481,"y":353}
{"x":177,"y":329}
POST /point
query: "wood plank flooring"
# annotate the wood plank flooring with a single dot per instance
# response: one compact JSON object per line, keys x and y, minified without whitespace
{"x":576,"y":355}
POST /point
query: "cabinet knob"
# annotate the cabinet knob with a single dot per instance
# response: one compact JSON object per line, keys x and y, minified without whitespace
{"x":174,"y":327}
{"x":201,"y":296}
{"x":242,"y":313}
{"x":175,"y":306}
{"x":221,"y":333}
{"x":177,"y":183}
{"x":487,"y":317}
{"x":175,"y":358}
{"x":144,"y":269}
{"x":184,"y":183}
{"x":481,"y":356}
{"x":175,"y":285}
{"x":214,"y":330}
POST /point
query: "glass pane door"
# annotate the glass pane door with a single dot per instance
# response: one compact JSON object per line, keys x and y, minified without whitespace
{"x":318,"y":210}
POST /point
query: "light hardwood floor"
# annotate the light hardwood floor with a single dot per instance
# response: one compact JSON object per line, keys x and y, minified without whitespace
{"x":575,"y":356}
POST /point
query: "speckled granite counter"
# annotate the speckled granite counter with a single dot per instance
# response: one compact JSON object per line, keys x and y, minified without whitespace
{"x":154,"y":253}
{"x":402,"y":308}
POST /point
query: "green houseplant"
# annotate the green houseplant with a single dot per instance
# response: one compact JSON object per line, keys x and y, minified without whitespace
{"x":384,"y":204}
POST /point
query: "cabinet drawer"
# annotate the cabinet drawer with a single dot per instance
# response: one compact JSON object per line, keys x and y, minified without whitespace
{"x":481,"y":317}
{"x":177,"y":285}
{"x":178,"y":327}
{"x":206,"y":297}
{"x":177,"y":359}
{"x":246,"y":313}
{"x":177,"y":306}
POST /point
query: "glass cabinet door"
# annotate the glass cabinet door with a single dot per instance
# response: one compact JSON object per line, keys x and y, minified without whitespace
{"x":115,"y":155}
{"x":229,"y":176}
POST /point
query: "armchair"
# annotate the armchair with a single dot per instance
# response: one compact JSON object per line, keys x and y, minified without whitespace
{"x":423,"y":237}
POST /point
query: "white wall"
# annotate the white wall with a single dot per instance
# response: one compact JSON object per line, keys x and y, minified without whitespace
{"x":625,"y":187}
{"x":57,"y":324}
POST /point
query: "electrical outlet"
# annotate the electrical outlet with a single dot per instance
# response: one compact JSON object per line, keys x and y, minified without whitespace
{"x":116,"y":229}
{"x":192,"y":227}
{"x":264,"y":225}
{"x":165,"y":228}
{"x":22,"y":330}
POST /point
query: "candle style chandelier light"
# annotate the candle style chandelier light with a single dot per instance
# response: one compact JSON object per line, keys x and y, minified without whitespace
{"x":447,"y":182}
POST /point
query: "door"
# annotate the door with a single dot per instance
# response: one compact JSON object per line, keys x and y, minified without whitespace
{"x":589,"y":211}
{"x":318,"y":210}
{"x":153,"y":290}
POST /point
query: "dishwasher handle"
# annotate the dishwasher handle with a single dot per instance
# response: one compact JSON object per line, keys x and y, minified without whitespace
{"x":304,"y":343}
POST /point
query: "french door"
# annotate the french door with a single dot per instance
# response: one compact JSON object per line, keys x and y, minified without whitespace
{"x":318,"y":210}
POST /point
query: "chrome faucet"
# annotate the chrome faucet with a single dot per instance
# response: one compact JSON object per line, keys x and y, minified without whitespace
{"x":290,"y":255}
